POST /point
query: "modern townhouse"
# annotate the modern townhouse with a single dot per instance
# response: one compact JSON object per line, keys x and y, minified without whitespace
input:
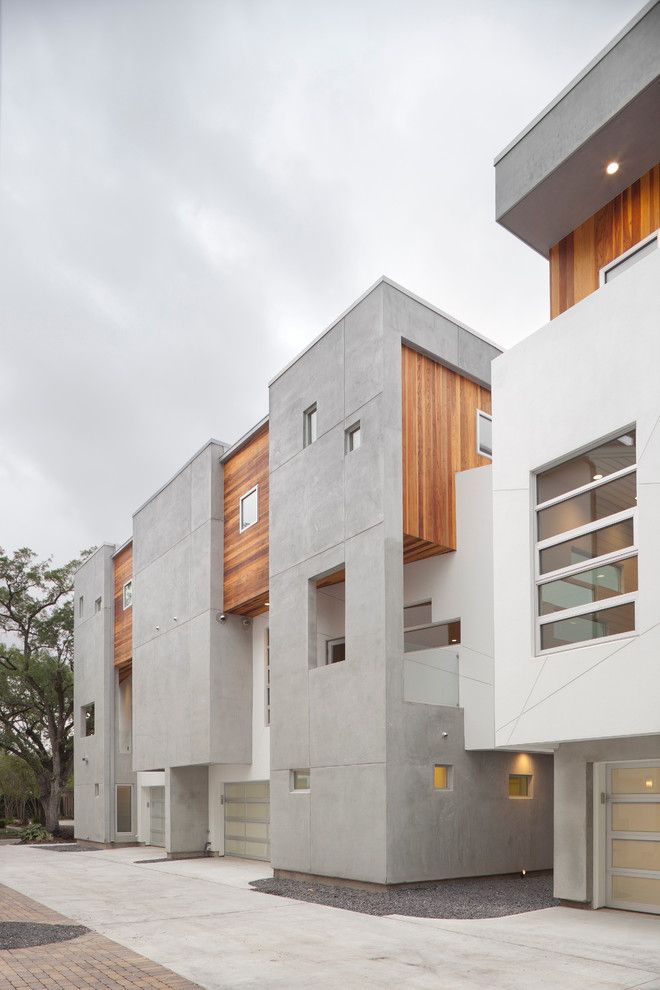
{"x":292,"y":658}
{"x":576,"y":473}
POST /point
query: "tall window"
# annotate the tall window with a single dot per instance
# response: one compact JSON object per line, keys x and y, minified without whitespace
{"x":309,"y":426}
{"x":81,"y":606}
{"x":484,"y":434}
{"x":87,"y":719}
{"x":267,"y":677}
{"x":124,"y":809}
{"x":586,"y":554}
{"x":127,"y":599}
{"x":249,"y":508}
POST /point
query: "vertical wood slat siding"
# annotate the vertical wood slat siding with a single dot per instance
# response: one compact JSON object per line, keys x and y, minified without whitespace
{"x":246,"y":554}
{"x":439,"y":439}
{"x":123,"y":619}
{"x":575,"y":262}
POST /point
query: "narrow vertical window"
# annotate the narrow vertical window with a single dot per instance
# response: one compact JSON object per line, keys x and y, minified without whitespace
{"x":124,"y":808}
{"x":309,"y":426}
{"x":97,"y":605}
{"x":442,"y":777}
{"x":249,"y":508}
{"x":81,"y":605}
{"x":353,"y":437}
{"x":484,"y":434}
{"x":127,"y":597}
{"x":267,"y":677}
{"x":87,"y":719}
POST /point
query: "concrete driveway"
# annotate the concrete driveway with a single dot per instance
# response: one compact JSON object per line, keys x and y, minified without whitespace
{"x":202,"y":920}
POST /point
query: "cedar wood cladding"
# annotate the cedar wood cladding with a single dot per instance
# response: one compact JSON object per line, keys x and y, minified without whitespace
{"x":123,"y":618}
{"x":246,"y":553}
{"x":439,"y":439}
{"x":575,"y":262}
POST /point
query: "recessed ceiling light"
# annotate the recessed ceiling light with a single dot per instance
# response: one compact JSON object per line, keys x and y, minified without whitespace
{"x":598,"y":477}
{"x":612,"y":168}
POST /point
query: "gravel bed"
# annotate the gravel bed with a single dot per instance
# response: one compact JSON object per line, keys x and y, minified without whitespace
{"x":61,"y":847}
{"x":25,"y":934}
{"x":474,"y":897}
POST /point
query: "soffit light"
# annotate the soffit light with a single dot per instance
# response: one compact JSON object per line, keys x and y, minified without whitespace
{"x":598,"y":477}
{"x":612,"y":168}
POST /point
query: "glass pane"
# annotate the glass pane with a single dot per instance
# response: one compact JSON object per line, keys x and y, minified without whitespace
{"x":605,"y":581}
{"x":614,"y":455}
{"x":257,"y":830}
{"x":636,"y":890}
{"x":440,"y":778}
{"x":234,"y":791}
{"x":609,"y":539}
{"x":124,"y":808}
{"x":635,"y":817}
{"x":636,"y":780}
{"x":631,"y":260}
{"x":257,"y":789}
{"x":593,"y":625}
{"x":588,"y":507}
{"x":355,"y":439}
{"x":519,"y":785}
{"x":417,"y":615}
{"x":301,"y":780}
{"x":635,"y":854}
{"x":335,"y":650}
{"x":249,"y":507}
{"x":431,"y":637}
{"x":235,"y":846}
{"x":485,"y":436}
{"x":88,"y":720}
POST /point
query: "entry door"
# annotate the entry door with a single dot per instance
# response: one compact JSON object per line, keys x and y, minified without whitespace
{"x":157,"y":809}
{"x":247,"y":817}
{"x":633,"y":836}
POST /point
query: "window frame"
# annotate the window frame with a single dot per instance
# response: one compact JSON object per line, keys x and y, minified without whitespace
{"x":449,"y":777}
{"x":125,"y":607}
{"x":530,"y":787}
{"x":83,"y":719}
{"x":81,"y":606}
{"x":349,"y":433}
{"x":588,"y":564}
{"x":481,"y":414}
{"x":98,"y":605}
{"x":243,"y":526}
{"x":615,"y":262}
{"x":308,"y":439}
{"x":329,"y":643}
{"x":300,"y":790}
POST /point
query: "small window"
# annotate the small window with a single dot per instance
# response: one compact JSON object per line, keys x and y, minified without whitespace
{"x":124,"y":808}
{"x":81,"y":605}
{"x":249,"y":508}
{"x":520,"y":785}
{"x":267,"y":677}
{"x":484,"y":434}
{"x":96,"y":790}
{"x":300,"y":780}
{"x":442,"y":777}
{"x":128,"y":595}
{"x":335,"y":650}
{"x":628,"y":259}
{"x":309,"y":426}
{"x":87,"y":719}
{"x":353,"y":437}
{"x":97,"y":605}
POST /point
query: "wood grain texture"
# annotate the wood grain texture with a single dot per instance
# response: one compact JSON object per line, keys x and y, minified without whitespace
{"x":246,"y":553}
{"x":576,"y":261}
{"x":439,"y":439}
{"x":123,"y":618}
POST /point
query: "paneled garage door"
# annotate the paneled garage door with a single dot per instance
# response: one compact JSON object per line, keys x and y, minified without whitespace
{"x":633,"y":836}
{"x":157,"y":816}
{"x":247,"y":817}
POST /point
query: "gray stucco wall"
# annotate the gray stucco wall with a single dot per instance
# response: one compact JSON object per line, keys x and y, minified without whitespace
{"x":186,"y":810}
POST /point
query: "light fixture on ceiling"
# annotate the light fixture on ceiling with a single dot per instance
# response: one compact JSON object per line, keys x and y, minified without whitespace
{"x":612,"y":168}
{"x":598,"y":477}
{"x":649,"y":782}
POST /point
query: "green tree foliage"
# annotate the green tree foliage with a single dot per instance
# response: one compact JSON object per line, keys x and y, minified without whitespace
{"x":18,"y":786}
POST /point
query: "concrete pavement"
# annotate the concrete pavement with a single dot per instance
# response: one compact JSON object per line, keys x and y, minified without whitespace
{"x":201,"y":919}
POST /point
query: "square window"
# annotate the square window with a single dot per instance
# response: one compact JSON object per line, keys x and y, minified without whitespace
{"x":87,"y":719}
{"x":127,"y":596}
{"x":353,"y":437}
{"x":300,"y":780}
{"x":442,"y":777}
{"x":484,"y":434}
{"x":335,"y":650}
{"x":249,"y":508}
{"x":97,"y":605}
{"x":309,"y":426}
{"x":520,"y":785}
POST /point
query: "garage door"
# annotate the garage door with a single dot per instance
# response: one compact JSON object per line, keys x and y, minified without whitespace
{"x":157,"y":816}
{"x":633,"y":836}
{"x":247,"y":817}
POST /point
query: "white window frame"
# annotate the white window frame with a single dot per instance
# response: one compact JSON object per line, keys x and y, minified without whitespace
{"x":329,"y":643}
{"x":483,"y":415}
{"x":300,"y":790}
{"x":308,"y":439}
{"x":350,"y":437}
{"x":639,"y":246}
{"x":125,"y":607}
{"x":586,"y":565}
{"x":241,"y":526}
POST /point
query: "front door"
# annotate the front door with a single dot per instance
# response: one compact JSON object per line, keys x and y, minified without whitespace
{"x":633,"y":836}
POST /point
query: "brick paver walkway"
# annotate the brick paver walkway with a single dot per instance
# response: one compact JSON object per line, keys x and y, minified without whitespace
{"x":89,"y":961}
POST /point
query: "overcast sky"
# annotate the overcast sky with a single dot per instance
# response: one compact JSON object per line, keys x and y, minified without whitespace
{"x":191,"y":191}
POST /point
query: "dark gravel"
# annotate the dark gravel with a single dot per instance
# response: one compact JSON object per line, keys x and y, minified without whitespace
{"x":474,"y":897}
{"x":61,"y":847}
{"x":25,"y":934}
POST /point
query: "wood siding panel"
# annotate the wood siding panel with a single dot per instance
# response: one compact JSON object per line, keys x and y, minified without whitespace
{"x":123,"y":618}
{"x":246,"y":553}
{"x":439,"y":439}
{"x":576,"y":261}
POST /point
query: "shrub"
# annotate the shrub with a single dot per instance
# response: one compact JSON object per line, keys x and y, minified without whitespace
{"x":35,"y":833}
{"x":3,"y":823}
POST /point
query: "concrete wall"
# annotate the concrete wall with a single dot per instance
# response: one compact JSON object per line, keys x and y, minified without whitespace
{"x":186,"y":810}
{"x":561,"y":389}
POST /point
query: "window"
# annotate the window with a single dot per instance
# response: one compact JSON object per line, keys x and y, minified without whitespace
{"x":586,"y":558}
{"x":97,"y":605}
{"x":249,"y":508}
{"x":127,"y":597}
{"x":96,"y":790}
{"x":124,"y":709}
{"x":300,"y":780}
{"x":267,"y":677}
{"x":335,"y":650}
{"x":520,"y":785}
{"x":419,"y":633}
{"x":81,"y":605}
{"x":353,"y":437}
{"x":309,"y":426}
{"x":124,"y":808}
{"x":484,"y":434}
{"x":87,"y":719}
{"x":628,"y":259}
{"x":442,"y":777}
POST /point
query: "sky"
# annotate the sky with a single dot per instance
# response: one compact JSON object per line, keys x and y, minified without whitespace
{"x":191,"y":191}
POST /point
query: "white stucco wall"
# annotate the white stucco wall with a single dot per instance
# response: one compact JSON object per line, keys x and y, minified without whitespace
{"x":590,"y":372}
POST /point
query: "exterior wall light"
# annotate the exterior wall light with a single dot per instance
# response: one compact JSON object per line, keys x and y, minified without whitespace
{"x":612,"y":168}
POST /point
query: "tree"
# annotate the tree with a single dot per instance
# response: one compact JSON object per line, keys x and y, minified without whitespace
{"x":36,"y":671}
{"x":18,"y":786}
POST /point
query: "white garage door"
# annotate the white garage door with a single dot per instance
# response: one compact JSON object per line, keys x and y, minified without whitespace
{"x":247,"y":817}
{"x":157,"y":816}
{"x":633,"y":836}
